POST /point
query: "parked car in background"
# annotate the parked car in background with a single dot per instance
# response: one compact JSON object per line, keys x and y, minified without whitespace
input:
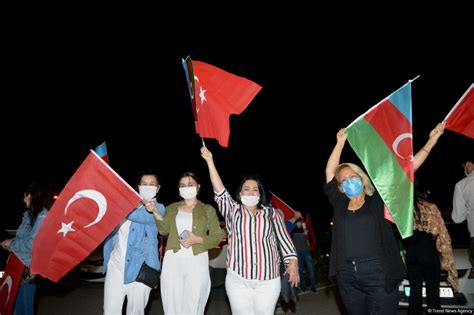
{"x":91,"y":269}
{"x":464,"y":299}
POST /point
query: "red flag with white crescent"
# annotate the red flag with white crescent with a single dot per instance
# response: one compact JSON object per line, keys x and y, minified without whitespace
{"x":91,"y":205}
{"x":215,"y":95}
{"x":9,"y":284}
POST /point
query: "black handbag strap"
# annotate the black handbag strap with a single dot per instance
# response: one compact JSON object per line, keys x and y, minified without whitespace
{"x":144,"y":245}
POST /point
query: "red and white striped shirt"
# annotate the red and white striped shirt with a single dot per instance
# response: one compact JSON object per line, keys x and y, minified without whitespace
{"x":252,"y":249}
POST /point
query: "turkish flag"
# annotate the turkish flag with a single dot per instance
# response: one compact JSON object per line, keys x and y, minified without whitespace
{"x":218,"y":94}
{"x":9,"y":284}
{"x":277,"y":203}
{"x":461,"y":117}
{"x":91,"y":205}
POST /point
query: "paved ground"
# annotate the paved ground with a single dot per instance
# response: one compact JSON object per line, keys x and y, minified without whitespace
{"x":87,"y":298}
{"x":82,"y":298}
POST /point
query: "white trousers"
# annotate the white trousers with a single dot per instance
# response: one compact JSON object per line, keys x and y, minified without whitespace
{"x":115,"y":291}
{"x":185,"y":283}
{"x":251,"y":297}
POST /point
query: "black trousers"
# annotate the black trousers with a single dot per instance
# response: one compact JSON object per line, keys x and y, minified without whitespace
{"x":422,"y":262}
{"x":364,"y":290}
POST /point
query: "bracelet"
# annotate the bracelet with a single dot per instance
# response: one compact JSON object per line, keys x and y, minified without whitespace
{"x":425,"y":150}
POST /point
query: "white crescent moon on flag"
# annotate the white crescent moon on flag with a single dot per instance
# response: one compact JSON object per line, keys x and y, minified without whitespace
{"x":93,"y":195}
{"x":8,"y":281}
{"x":397,"y":141}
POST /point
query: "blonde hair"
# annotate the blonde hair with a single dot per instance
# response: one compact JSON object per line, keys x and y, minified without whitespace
{"x":368,"y":187}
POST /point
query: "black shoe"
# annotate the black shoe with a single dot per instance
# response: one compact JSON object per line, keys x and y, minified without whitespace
{"x":314,"y":290}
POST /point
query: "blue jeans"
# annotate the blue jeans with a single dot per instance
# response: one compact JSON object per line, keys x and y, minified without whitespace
{"x":25,"y":299}
{"x":364,"y":291}
{"x":305,"y":262}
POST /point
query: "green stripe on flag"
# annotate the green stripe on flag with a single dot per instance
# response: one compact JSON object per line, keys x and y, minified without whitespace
{"x":391,"y":181}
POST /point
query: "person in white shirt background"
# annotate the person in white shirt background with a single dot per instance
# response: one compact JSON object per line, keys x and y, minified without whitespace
{"x":463,"y":201}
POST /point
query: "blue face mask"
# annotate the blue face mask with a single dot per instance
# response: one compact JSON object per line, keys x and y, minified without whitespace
{"x":352,"y":187}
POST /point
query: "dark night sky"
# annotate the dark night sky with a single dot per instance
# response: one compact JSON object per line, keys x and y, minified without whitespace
{"x":67,"y":94}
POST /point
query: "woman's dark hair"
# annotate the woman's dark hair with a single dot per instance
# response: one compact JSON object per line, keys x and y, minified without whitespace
{"x":41,"y":197}
{"x":147,"y":173}
{"x":263,"y":198}
{"x":421,"y":193}
{"x":189,"y":174}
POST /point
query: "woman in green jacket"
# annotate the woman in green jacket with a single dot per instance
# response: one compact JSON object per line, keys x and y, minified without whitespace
{"x":192,"y":228}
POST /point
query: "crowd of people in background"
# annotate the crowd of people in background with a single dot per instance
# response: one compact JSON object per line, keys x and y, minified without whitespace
{"x":364,"y":260}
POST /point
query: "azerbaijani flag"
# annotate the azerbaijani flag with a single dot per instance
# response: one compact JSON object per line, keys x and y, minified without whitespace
{"x":382,"y":139}
{"x":101,"y":151}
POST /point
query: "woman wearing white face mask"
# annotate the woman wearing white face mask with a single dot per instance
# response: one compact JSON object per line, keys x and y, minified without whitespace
{"x":192,"y":228}
{"x":133,"y":242}
{"x":253,"y":278}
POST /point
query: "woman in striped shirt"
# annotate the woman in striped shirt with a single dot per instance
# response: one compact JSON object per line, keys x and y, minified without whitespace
{"x":253,"y":279}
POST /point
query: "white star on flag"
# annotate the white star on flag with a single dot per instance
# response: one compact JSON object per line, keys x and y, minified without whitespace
{"x":201,"y":94}
{"x":66,"y":228}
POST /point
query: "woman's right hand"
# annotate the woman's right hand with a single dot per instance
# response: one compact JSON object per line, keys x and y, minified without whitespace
{"x":206,"y":154}
{"x":6,"y":243}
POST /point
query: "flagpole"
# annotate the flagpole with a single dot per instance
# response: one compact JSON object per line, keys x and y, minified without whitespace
{"x":203,"y":144}
{"x":373,"y":107}
{"x":410,"y":81}
{"x":458,"y":102}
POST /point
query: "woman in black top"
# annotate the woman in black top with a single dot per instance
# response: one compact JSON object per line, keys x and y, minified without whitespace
{"x":364,"y":254}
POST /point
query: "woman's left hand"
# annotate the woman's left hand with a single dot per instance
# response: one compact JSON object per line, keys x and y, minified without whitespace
{"x":150,"y":206}
{"x":292,"y":271}
{"x":191,"y":240}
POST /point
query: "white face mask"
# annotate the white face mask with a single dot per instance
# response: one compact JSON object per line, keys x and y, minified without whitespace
{"x":250,"y":200}
{"x":467,"y":171}
{"x":147,"y":192}
{"x":188,"y":192}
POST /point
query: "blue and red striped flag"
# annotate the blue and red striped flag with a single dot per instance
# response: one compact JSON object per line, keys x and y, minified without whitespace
{"x":382,"y":139}
{"x":101,"y":151}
